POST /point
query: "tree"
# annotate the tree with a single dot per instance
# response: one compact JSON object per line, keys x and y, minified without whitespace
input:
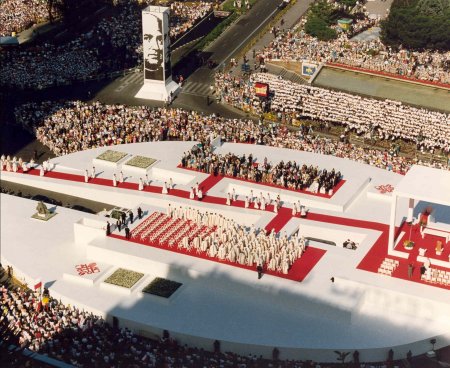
{"x":317,"y":27}
{"x":418,"y":24}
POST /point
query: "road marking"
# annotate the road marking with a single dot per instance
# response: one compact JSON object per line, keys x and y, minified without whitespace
{"x":245,"y":40}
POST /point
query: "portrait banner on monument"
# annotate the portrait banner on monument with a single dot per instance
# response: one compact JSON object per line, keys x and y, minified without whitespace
{"x":156,"y":43}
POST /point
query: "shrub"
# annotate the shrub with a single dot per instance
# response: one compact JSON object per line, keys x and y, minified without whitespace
{"x":317,"y":27}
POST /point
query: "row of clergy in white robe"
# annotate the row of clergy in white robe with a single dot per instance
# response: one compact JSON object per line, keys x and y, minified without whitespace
{"x":233,"y":242}
{"x":13,"y":165}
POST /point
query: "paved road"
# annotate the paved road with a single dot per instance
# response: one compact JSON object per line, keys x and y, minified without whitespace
{"x":197,"y":85}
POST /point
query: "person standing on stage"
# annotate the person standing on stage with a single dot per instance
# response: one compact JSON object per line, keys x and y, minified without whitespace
{"x":131,"y":215}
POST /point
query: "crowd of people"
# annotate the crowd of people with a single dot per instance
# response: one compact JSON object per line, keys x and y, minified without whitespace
{"x":113,"y":44}
{"x":239,"y":244}
{"x":384,"y":119}
{"x":67,"y":127}
{"x":295,"y":45}
{"x":18,"y":15}
{"x":66,"y":333}
{"x":184,"y":16}
{"x":288,"y":174}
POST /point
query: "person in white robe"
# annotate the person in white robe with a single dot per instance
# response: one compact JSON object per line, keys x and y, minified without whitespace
{"x":24,"y":167}
{"x":246,"y":202}
{"x":114,"y":180}
{"x":228,"y":199}
{"x":93,"y":172}
{"x":268,"y":200}
{"x":86,"y":176}
{"x":171,"y":185}
{"x":141,"y":184}
{"x":263,"y":204}
{"x":256,"y":204}
{"x":164,"y":189}
{"x":121,"y":177}
{"x":147,"y":180}
{"x":42,"y":171}
{"x":191,"y":193}
{"x":294,"y":210}
{"x":303,"y":212}
{"x":200,"y":194}
{"x":14,"y":166}
{"x":196,"y":188}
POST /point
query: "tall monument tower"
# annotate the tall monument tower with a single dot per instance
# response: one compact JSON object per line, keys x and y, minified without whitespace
{"x":158,"y":83}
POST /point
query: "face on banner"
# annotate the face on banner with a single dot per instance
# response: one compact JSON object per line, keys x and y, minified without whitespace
{"x":153,"y":47}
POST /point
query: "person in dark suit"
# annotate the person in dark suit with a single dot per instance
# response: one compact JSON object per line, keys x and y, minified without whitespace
{"x":124,"y":218}
{"x":119,"y":225}
{"x":139,"y":211}
{"x":108,"y":228}
{"x":259,"y":269}
{"x":127,"y":233}
{"x":131,"y":215}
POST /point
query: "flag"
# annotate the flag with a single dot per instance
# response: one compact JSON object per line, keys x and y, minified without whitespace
{"x":38,"y":284}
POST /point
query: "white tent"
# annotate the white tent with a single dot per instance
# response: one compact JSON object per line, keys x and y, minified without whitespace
{"x":419,"y":184}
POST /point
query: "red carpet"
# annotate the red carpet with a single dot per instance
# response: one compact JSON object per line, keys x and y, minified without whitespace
{"x":378,"y":253}
{"x":281,"y":219}
{"x":299,"y":270}
{"x":336,"y":188}
{"x":370,"y":262}
{"x":209,"y":182}
{"x":428,"y":243}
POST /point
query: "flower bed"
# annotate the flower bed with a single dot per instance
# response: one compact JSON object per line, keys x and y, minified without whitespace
{"x":124,"y":278}
{"x":141,"y":162}
{"x":162,"y":287}
{"x":111,"y":156}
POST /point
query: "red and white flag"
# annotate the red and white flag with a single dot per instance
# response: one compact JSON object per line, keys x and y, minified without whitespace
{"x":38,"y":284}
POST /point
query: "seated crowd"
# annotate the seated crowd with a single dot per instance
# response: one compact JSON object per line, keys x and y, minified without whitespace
{"x":67,"y":127}
{"x":295,"y":45}
{"x":113,"y":44}
{"x":18,"y":15}
{"x":284,"y":174}
{"x":80,"y":338}
{"x":388,"y":119}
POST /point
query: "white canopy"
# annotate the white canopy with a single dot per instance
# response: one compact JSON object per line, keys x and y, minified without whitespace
{"x":425,"y":183}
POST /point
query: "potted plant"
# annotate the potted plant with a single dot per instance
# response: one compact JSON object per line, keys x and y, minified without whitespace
{"x":408,"y":244}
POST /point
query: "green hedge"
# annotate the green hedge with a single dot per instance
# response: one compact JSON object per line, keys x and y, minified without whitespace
{"x":216,"y":32}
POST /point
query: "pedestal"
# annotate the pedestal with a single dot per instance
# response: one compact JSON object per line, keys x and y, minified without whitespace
{"x":158,"y":91}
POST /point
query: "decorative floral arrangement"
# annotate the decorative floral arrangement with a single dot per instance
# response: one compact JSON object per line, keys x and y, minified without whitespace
{"x":141,"y":162}
{"x":408,"y":244}
{"x":162,"y":287}
{"x":124,"y":278}
{"x":111,"y":156}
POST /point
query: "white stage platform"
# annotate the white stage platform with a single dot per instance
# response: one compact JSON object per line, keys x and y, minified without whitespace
{"x":305,"y":320}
